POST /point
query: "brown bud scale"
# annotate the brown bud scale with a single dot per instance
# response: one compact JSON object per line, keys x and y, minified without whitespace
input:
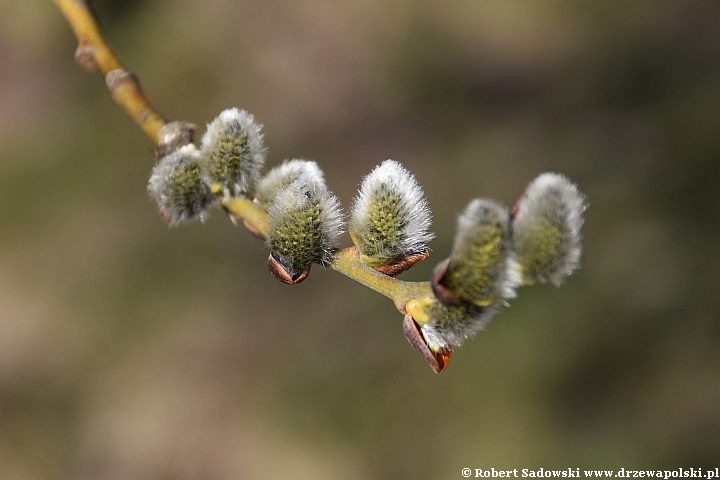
{"x":442,"y":293}
{"x":438,"y":361}
{"x":396,"y":268}
{"x":279,"y":272}
{"x":254,"y":231}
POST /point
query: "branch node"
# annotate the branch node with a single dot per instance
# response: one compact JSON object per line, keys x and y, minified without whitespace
{"x":85,"y":56}
{"x":117,"y":77}
{"x":173,"y":136}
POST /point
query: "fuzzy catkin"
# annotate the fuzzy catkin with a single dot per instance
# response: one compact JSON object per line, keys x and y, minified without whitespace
{"x":389,"y":218}
{"x":445,"y":327}
{"x":451,"y":326}
{"x":481,"y":268}
{"x":177,"y":186}
{"x":233,"y":152}
{"x":305,"y":226}
{"x":546,"y":229}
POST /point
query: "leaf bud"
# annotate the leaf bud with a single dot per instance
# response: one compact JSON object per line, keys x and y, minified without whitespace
{"x":546,"y":229}
{"x":389,"y":219}
{"x":233,"y":151}
{"x":176,"y":184}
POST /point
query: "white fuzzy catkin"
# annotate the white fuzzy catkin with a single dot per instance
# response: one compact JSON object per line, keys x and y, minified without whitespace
{"x":233,"y":151}
{"x":482,"y":266}
{"x":282,"y":176}
{"x":305,"y":225}
{"x":177,"y":186}
{"x":389,"y":218}
{"x":546,"y":229}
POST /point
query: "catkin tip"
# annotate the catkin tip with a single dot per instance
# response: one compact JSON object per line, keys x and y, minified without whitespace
{"x":282,"y":176}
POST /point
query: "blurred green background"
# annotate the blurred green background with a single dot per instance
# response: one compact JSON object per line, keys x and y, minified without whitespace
{"x":130,"y":350}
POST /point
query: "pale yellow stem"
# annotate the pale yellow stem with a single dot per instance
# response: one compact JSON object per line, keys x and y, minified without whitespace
{"x":94,"y":53}
{"x":348,"y":263}
{"x":244,"y":209}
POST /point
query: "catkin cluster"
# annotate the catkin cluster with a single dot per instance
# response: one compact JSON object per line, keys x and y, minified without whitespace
{"x":496,"y":249}
{"x":188,"y":182}
{"x":304,"y":216}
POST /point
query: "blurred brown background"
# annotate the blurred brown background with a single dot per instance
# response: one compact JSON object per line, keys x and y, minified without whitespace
{"x":130,"y":350}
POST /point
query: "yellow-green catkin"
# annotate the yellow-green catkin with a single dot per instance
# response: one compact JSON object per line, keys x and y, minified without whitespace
{"x":546,"y":230}
{"x":389,"y":219}
{"x":481,"y":268}
{"x":233,"y":153}
{"x":177,"y":186}
{"x":305,"y":226}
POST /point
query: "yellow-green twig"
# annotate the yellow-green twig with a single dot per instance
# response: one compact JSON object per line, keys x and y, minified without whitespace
{"x":348,"y":263}
{"x":250,"y":212}
{"x":94,"y":53}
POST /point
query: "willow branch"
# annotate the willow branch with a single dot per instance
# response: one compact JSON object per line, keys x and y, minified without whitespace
{"x":437,"y":314}
{"x":94,"y":54}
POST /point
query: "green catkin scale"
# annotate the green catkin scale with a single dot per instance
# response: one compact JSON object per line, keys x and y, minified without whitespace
{"x":540,"y":256}
{"x":296,"y":238}
{"x":383,"y":230}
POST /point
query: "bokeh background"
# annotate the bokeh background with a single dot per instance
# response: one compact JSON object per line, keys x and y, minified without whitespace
{"x":130,"y":350}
